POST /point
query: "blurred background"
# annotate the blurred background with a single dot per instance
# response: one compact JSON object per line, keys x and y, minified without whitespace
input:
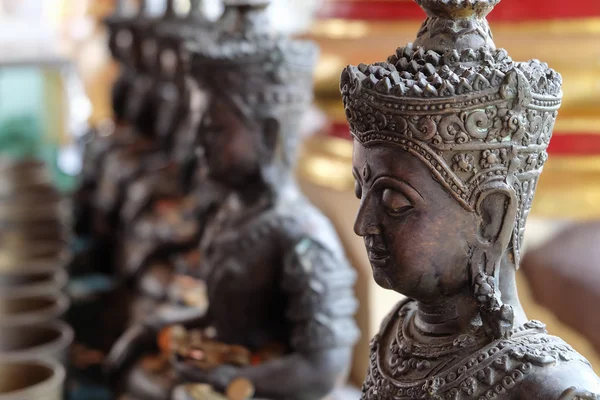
{"x":55,"y":80}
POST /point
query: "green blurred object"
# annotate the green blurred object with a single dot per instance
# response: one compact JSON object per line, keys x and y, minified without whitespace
{"x":34,"y":116}
{"x":19,"y":137}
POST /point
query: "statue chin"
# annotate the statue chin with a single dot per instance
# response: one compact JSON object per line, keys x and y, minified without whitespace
{"x":382,"y":279}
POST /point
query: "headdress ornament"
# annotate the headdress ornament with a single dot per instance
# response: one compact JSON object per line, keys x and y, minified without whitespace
{"x":475,"y":117}
{"x":121,"y":15}
{"x":188,"y":26}
{"x":253,"y":64}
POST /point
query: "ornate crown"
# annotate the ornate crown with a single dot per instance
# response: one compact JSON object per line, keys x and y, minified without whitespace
{"x":188,"y":27}
{"x":121,"y":15}
{"x":474,"y":116}
{"x":249,"y":62}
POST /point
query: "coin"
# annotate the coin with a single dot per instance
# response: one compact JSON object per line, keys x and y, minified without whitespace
{"x":165,"y":344}
{"x":197,"y":355}
{"x":171,"y":338}
{"x":271,"y":351}
{"x":201,"y":392}
{"x":154,"y":363}
{"x":238,"y":355}
{"x":240,"y":389}
{"x":196,"y":338}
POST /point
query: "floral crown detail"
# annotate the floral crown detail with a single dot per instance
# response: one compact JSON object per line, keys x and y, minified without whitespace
{"x":252,"y":63}
{"x":474,"y":116}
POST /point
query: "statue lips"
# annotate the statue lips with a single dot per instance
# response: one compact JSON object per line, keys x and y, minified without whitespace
{"x":378,"y":257}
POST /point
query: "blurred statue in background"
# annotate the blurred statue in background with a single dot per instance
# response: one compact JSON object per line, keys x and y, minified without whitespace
{"x":279,"y":319}
{"x":102,"y":139}
{"x":124,"y":164}
{"x":162,"y":211}
{"x":450,"y":137}
{"x":113,"y":155}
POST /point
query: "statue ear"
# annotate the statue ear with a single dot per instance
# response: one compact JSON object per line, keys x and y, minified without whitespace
{"x":497,"y":209}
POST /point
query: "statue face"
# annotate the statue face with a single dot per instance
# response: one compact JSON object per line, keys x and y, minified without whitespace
{"x":417,"y":236}
{"x":149,"y":53}
{"x":168,"y":62}
{"x":120,"y":43}
{"x":230,"y":143}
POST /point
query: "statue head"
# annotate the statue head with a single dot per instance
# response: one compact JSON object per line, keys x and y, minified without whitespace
{"x":259,"y":86}
{"x":120,"y":37}
{"x":173,"y":57}
{"x":450,"y":138}
{"x":180,"y":102}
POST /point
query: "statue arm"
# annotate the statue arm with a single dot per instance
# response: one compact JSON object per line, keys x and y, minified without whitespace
{"x":321,"y":304}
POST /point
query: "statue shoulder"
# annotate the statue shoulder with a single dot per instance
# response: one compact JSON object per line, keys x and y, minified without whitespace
{"x":321,"y":302}
{"x":557,"y":371}
{"x":572,"y":380}
{"x":309,"y":259}
{"x":302,"y":220}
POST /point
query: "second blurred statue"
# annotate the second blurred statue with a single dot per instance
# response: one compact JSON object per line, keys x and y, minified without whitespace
{"x":279,"y":322}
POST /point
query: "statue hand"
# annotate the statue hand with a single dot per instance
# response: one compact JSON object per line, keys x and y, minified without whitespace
{"x":218,"y":377}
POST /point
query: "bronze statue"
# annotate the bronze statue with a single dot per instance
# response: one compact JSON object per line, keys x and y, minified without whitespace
{"x":450,"y":137}
{"x":159,"y":212}
{"x":112,"y":156}
{"x":101,"y":140}
{"x":122,"y":166}
{"x":274,"y":269}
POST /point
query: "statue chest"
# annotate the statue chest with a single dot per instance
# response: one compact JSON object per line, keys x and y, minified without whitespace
{"x":464,"y":369}
{"x":242,"y":267}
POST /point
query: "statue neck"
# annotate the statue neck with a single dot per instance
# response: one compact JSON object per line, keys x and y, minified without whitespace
{"x":459,"y":314}
{"x":452,"y":316}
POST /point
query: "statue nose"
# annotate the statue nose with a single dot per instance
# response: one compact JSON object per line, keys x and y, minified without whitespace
{"x":366,"y":223}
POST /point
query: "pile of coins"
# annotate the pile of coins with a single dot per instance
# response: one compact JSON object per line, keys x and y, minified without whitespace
{"x":33,"y":259}
{"x":199,"y":349}
{"x":238,"y":389}
{"x":189,"y":292}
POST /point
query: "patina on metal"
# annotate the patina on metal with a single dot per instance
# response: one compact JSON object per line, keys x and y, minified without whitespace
{"x":274,"y":268}
{"x":450,"y":138}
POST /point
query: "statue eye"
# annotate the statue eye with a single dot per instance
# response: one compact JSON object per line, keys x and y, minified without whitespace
{"x":395,"y":203}
{"x":357,"y":190}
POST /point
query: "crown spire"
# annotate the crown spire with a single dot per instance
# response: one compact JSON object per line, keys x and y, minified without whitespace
{"x":247,"y":3}
{"x":196,"y":9}
{"x":170,"y":9}
{"x":123,"y":10}
{"x":120,"y":8}
{"x":144,"y":8}
{"x":246,"y":17}
{"x":457,"y":9}
{"x":464,"y":25}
